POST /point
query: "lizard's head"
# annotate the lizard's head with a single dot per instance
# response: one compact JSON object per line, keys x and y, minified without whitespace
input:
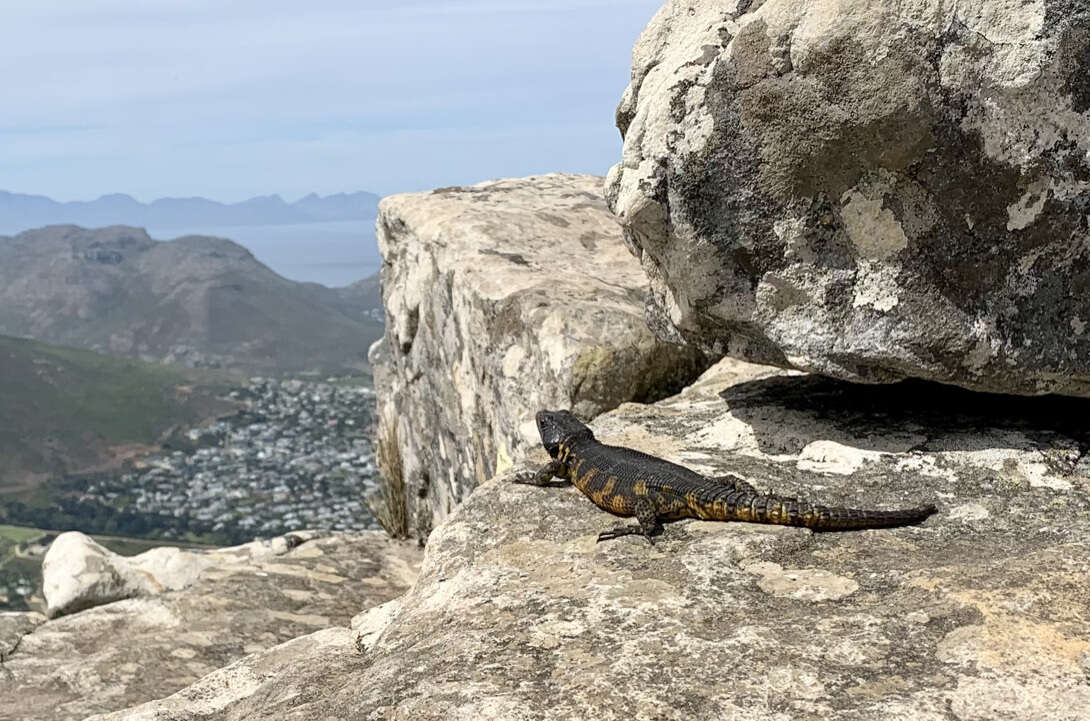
{"x":557,"y":427}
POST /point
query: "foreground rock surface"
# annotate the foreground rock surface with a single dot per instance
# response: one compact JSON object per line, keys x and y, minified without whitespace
{"x":502,"y":299}
{"x":977,"y":615}
{"x":867,"y":189}
{"x":242,"y":600}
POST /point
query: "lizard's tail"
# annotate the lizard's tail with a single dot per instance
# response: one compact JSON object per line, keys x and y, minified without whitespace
{"x":823,"y":518}
{"x":793,"y":512}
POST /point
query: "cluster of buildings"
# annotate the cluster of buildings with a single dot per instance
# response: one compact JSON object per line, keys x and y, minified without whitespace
{"x":299,"y":455}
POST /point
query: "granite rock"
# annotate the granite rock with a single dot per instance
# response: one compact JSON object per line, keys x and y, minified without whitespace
{"x":979,"y":614}
{"x":867,"y":189}
{"x":501,"y":299}
{"x":78,"y":573}
{"x":244,"y":600}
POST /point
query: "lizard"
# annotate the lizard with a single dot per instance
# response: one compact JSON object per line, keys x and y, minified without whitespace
{"x":627,"y":482}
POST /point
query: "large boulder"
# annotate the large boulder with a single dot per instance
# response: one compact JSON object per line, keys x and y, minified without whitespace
{"x":243,"y":600}
{"x":979,"y":614}
{"x":501,"y":299}
{"x":867,"y":189}
{"x":78,"y":573}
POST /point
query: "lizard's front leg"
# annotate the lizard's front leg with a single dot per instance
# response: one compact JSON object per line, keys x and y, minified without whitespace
{"x":648,"y":525}
{"x":544,"y":475}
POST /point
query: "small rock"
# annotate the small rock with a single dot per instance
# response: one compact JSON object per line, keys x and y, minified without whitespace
{"x":370,"y":624}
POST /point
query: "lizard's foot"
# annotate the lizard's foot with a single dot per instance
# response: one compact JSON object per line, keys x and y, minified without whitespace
{"x":543,"y":477}
{"x":620,"y":531}
{"x":532,"y":479}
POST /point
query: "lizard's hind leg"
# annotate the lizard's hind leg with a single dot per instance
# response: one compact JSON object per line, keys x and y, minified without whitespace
{"x":648,"y":526}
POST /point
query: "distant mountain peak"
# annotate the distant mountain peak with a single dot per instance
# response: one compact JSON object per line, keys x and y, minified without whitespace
{"x":20,"y":212}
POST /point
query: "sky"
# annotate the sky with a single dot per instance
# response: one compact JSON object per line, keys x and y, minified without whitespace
{"x":232,"y":99}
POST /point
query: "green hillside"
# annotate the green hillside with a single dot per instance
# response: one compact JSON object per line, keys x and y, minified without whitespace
{"x":65,"y":410}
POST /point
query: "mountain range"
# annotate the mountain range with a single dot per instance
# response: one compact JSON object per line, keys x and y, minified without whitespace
{"x":20,"y":212}
{"x":196,"y":301}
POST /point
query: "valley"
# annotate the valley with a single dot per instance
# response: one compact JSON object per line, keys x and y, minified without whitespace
{"x":177,"y":392}
{"x":293,"y":454}
{"x":65,"y":409}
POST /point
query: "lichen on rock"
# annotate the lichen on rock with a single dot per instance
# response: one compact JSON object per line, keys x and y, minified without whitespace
{"x":867,"y":190}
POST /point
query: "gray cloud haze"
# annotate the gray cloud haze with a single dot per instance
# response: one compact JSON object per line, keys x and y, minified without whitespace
{"x":234,"y":99}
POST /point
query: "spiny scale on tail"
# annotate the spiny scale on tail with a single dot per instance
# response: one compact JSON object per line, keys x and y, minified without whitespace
{"x":630,"y":483}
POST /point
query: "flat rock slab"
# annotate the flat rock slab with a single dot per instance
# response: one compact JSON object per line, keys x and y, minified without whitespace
{"x":979,"y":614}
{"x":867,"y":189}
{"x":502,"y":299}
{"x":243,"y":601}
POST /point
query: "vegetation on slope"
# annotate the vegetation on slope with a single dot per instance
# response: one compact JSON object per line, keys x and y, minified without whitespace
{"x":64,"y":410}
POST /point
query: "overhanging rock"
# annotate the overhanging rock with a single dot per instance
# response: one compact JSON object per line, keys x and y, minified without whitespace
{"x":867,"y":189}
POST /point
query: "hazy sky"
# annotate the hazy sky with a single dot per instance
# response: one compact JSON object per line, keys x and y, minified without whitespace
{"x":229,"y":99}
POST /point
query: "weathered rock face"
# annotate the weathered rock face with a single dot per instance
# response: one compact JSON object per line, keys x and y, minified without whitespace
{"x":870,"y":190}
{"x":977,"y":615}
{"x":243,"y":600}
{"x":501,"y":299}
{"x":13,"y":626}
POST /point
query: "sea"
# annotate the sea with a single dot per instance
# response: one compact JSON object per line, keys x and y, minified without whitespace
{"x":333,"y":253}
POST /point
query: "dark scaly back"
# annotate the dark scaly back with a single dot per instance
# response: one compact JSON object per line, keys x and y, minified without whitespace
{"x":608,"y":475}
{"x":614,"y":477}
